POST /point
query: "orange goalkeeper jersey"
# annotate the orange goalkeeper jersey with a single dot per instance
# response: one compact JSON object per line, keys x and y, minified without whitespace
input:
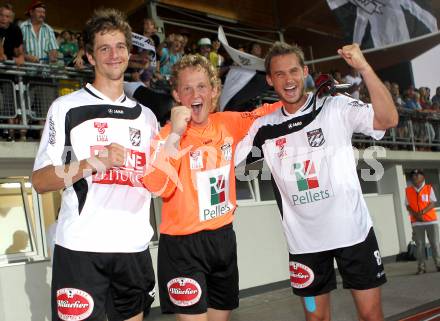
{"x":198,"y":186}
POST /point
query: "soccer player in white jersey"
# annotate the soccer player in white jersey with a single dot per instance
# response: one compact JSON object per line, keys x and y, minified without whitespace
{"x":93,"y":147}
{"x":309,"y":153}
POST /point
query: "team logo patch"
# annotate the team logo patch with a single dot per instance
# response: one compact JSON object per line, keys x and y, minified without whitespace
{"x":101,"y":137}
{"x":74,"y":304}
{"x":184,"y":292}
{"x":280,"y":143}
{"x":316,"y":137}
{"x":226,"y":151}
{"x":135,"y":136}
{"x":195,"y":159}
{"x":357,"y":104}
{"x":301,"y":276}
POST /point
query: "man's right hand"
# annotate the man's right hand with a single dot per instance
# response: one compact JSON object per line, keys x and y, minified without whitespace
{"x":31,"y":58}
{"x":180,"y":116}
{"x":112,"y":155}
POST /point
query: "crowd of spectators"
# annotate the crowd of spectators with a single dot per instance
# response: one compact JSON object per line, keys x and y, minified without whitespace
{"x":33,"y":40}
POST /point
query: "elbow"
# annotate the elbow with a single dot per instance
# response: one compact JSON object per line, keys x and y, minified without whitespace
{"x":38,"y":183}
{"x":394,"y":121}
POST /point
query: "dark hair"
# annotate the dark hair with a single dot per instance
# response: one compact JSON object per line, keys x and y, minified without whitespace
{"x":281,"y":49}
{"x":102,"y":21}
{"x":6,"y":6}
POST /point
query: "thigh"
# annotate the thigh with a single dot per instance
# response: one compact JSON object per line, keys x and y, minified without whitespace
{"x":312,"y":274}
{"x":181,"y":277}
{"x":419,"y":234}
{"x":79,"y":285}
{"x":222,"y":278}
{"x":432,"y":233}
{"x":132,"y":285}
{"x":361,"y":265}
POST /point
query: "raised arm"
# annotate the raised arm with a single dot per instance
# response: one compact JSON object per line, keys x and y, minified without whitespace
{"x":385,"y":112}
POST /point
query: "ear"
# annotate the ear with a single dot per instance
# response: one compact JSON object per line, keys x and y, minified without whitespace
{"x":175,"y":95}
{"x":269,"y":80}
{"x":90,"y":59}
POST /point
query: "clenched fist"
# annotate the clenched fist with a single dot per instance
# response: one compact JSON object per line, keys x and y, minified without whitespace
{"x":180,"y":116}
{"x":112,"y":155}
{"x":352,"y":54}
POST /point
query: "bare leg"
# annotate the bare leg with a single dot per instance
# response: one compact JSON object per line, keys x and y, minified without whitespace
{"x":322,"y":311}
{"x":368,"y":304}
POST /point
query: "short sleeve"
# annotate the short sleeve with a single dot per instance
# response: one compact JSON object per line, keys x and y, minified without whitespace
{"x":357,"y":116}
{"x":432,"y":196}
{"x":53,"y":139}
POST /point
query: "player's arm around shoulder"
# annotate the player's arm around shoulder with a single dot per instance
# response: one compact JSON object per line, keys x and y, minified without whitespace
{"x":385,"y":112}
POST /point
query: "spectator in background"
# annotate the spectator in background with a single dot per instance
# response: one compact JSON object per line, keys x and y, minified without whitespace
{"x":170,"y":55}
{"x":11,"y":38}
{"x":39,"y":39}
{"x":436,"y":97}
{"x":425,"y":102}
{"x":395,"y":93}
{"x":411,"y":99}
{"x":149,"y":30}
{"x":11,"y":48}
{"x":337,"y":76}
{"x":255,"y":49}
{"x":216,"y":59}
{"x":420,"y":203}
{"x":354,"y":79}
{"x":68,"y":47}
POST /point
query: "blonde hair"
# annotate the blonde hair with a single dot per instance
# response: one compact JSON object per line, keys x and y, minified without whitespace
{"x":198,"y":62}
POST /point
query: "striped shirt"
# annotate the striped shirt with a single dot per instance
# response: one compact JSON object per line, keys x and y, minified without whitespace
{"x":41,"y":45}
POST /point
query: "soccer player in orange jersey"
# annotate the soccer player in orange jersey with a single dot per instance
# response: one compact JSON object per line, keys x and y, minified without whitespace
{"x":193,"y":172}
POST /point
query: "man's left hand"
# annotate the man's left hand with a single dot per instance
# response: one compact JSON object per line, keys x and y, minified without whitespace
{"x":352,"y":54}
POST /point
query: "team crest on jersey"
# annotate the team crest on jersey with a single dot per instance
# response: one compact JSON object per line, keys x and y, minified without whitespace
{"x":281,"y":143}
{"x":135,"y":136}
{"x":101,"y":127}
{"x":226,"y":151}
{"x":316,"y":137}
{"x":195,"y":159}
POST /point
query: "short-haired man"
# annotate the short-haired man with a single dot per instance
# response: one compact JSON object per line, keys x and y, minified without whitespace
{"x":310,"y":155}
{"x":11,"y":38}
{"x":421,"y":202}
{"x":40,"y":44}
{"x":93,"y":147}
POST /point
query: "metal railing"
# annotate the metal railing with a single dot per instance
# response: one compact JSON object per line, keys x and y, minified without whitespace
{"x":26,"y":92}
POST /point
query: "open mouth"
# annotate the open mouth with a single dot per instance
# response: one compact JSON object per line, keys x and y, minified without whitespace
{"x":290,"y":90}
{"x":196,"y":107}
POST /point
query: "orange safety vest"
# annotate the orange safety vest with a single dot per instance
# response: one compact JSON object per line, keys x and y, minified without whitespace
{"x":419,"y":201}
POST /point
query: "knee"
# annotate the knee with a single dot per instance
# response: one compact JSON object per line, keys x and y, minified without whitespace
{"x":323,"y":316}
{"x":371,"y":315}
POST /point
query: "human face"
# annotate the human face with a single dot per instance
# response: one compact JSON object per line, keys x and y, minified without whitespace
{"x":110,"y":55}
{"x":38,"y":15}
{"x":5,"y":18}
{"x":287,"y":78}
{"x":256,"y":50}
{"x":149,"y":26}
{"x":417,"y":179}
{"x":195,"y":91}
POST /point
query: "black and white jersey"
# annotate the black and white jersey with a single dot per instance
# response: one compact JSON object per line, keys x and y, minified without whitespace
{"x":313,"y":170}
{"x":108,"y":211}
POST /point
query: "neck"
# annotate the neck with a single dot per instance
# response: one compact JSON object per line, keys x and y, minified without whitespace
{"x":111,"y":88}
{"x":293,"y":108}
{"x":36,"y":23}
{"x":199,"y":125}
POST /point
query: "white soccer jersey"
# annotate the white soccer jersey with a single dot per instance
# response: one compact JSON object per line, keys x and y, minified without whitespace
{"x":106,"y":212}
{"x":314,"y":170}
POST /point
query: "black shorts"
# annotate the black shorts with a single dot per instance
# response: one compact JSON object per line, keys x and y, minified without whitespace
{"x":90,"y":286}
{"x":198,"y":271}
{"x":360,"y":266}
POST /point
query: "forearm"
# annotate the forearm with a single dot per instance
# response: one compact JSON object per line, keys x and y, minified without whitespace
{"x":52,"y":178}
{"x":428,"y":208}
{"x":385,"y":112}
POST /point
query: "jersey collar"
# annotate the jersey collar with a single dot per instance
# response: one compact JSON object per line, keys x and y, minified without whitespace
{"x":97,"y":94}
{"x":301,"y":110}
